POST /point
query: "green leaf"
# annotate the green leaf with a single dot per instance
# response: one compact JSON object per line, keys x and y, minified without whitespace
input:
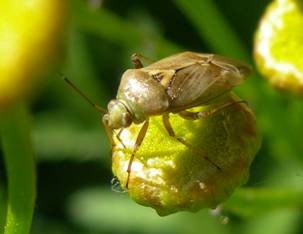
{"x":2,"y":207}
{"x":68,"y":140}
{"x":249,"y":202}
{"x":105,"y":211}
{"x":20,"y":168}
{"x":213,"y":27}
{"x":275,"y":222}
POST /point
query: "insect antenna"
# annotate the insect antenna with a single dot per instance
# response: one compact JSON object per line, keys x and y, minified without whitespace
{"x":84,"y":96}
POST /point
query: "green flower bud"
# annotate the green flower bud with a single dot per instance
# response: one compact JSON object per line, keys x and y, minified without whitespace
{"x":170,"y":177}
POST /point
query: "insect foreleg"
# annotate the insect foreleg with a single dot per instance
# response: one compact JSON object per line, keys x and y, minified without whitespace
{"x":138,"y":142}
{"x":108,"y":131}
{"x":119,"y":138}
{"x":204,"y":114}
{"x":171,"y":132}
{"x":136,"y":61}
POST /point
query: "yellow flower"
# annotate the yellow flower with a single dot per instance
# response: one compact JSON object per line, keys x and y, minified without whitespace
{"x":29,"y":38}
{"x":278,"y":45}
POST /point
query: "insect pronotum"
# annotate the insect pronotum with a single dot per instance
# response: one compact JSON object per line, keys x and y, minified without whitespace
{"x":171,"y":85}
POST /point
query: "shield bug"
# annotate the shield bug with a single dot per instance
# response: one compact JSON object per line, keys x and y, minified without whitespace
{"x":170,"y":85}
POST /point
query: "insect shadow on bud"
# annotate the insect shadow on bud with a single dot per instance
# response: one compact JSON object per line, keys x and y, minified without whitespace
{"x":171,"y":85}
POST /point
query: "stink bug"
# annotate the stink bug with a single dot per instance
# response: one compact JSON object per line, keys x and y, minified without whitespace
{"x":171,"y":85}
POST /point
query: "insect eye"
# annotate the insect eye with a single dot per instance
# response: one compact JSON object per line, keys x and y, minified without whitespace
{"x":126,"y":119}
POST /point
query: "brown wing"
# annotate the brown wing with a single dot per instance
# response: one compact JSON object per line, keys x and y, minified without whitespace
{"x":178,"y":61}
{"x":198,"y":78}
{"x":189,"y":84}
{"x":200,"y":83}
{"x":184,"y":59}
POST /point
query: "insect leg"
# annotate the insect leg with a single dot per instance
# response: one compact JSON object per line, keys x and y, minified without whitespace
{"x":119,"y":138}
{"x":139,"y":140}
{"x":108,"y":131}
{"x":136,"y":60}
{"x":204,"y":114}
{"x":171,"y":132}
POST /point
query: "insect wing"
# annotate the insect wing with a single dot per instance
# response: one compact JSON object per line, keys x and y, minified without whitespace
{"x":178,"y":61}
{"x":199,"y":77}
{"x":201,"y":83}
{"x":190,"y":83}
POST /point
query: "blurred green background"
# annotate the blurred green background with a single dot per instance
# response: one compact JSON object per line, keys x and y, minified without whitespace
{"x":73,"y":155}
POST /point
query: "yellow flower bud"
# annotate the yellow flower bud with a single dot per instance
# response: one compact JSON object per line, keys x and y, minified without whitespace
{"x":170,"y":177}
{"x":29,"y":38}
{"x":278,"y":45}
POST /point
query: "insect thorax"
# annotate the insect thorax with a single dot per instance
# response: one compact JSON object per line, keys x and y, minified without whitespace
{"x":143,"y":95}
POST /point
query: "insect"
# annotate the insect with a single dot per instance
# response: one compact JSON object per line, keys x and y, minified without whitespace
{"x":171,"y":85}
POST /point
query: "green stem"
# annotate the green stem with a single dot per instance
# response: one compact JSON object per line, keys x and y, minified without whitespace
{"x":213,"y":27}
{"x":115,"y":29}
{"x":2,"y":206}
{"x":20,"y":169}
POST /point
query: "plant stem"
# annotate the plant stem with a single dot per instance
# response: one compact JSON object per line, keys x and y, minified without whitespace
{"x":20,"y":169}
{"x":2,"y":206}
{"x":115,"y":29}
{"x":213,"y":28}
